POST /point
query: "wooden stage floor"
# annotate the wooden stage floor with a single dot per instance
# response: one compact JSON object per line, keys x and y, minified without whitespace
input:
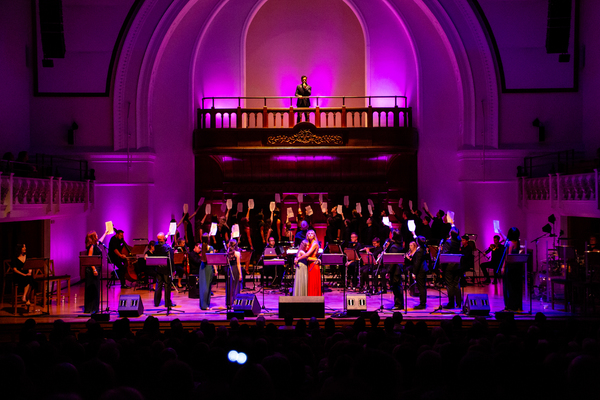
{"x":72,"y":311}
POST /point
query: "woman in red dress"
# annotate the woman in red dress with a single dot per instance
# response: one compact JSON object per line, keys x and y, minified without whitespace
{"x":314,"y":268}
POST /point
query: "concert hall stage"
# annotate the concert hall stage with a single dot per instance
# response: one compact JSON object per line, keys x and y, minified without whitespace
{"x":72,"y":311}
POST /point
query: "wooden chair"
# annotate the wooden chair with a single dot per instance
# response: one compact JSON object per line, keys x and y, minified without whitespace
{"x":52,"y":278}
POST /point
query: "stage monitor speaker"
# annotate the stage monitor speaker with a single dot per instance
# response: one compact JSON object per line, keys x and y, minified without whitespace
{"x":478,"y":304}
{"x":248,"y":304}
{"x":355,"y":303}
{"x":302,"y":306}
{"x":559,"y":26}
{"x":194,"y":290}
{"x":51,"y":28}
{"x":130,"y":305}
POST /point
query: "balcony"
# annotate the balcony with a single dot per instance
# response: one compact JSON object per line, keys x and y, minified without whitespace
{"x":25,"y":198}
{"x":346,"y":127}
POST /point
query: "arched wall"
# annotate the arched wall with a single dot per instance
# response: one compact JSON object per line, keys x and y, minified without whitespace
{"x":412,"y":48}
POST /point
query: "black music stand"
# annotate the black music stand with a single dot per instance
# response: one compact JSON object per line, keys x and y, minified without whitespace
{"x":522,"y":258}
{"x":161,"y":261}
{"x":389,"y":259}
{"x":220,"y":259}
{"x":336,"y":259}
{"x":367,"y":259}
{"x":351,"y":255}
{"x":88,"y":261}
{"x":447,"y":259}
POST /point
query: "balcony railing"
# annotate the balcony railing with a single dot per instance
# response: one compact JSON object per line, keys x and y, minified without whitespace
{"x":559,"y":188}
{"x":21,"y":194}
{"x":342,"y":116}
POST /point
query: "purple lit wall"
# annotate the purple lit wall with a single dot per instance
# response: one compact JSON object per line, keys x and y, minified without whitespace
{"x":323,"y":40}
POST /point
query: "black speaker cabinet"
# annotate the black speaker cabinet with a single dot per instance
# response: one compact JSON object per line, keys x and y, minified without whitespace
{"x":478,"y":304}
{"x":355,"y":304}
{"x":130,"y":305}
{"x":302,"y":306}
{"x":51,"y":28}
{"x":248,"y":303}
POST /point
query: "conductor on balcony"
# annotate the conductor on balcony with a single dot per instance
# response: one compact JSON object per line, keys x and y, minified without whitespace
{"x":303,"y":93}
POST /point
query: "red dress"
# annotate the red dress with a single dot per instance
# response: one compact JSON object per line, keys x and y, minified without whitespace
{"x":314,"y":280}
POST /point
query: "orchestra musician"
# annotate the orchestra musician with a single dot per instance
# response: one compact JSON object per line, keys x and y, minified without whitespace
{"x":163,"y":272}
{"x":352,"y":266}
{"x":223,"y":233}
{"x":367,"y":269}
{"x":512,"y":279}
{"x":418,"y":257}
{"x":204,"y":271}
{"x":117,"y":256}
{"x":395,"y":270}
{"x":497,"y":249}
{"x":467,"y":261}
{"x":452,"y":271}
{"x":233,"y":287}
{"x":278,"y":251}
{"x":24,"y":278}
{"x":92,"y":274}
{"x":179,"y":268}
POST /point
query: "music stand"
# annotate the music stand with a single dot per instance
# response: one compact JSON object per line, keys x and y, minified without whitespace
{"x":220,"y":259}
{"x":522,"y":259}
{"x":388,"y":259}
{"x":88,"y":261}
{"x":447,"y":259}
{"x":367,"y":259}
{"x":351,"y":255}
{"x":161,"y":261}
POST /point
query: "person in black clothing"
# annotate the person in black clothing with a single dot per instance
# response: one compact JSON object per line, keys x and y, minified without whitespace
{"x":223,"y":234}
{"x":330,"y":231}
{"x":369,"y":232}
{"x":92,"y":274}
{"x":420,"y":267}
{"x":23,"y":278}
{"x":301,"y":234}
{"x":423,"y":229}
{"x":512,"y":279}
{"x":116,"y":256}
{"x":497,"y":249}
{"x":467,"y":261}
{"x":352,"y":266}
{"x":439,"y":229}
{"x":163,"y":272}
{"x":303,"y":91}
{"x":372,"y":268}
{"x":269,"y":270}
{"x":396,"y":271}
{"x":452,"y":271}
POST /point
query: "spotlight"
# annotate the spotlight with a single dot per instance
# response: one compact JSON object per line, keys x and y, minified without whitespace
{"x":547,"y":228}
{"x":552,"y":219}
{"x":536,"y":122}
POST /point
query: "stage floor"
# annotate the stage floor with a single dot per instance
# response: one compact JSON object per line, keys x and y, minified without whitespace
{"x":72,"y":311}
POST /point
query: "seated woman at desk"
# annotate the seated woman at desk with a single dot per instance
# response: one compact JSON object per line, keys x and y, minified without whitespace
{"x":23,"y":277}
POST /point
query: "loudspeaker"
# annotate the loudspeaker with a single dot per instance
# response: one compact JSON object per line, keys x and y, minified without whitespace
{"x":355,"y":303}
{"x":130,"y":305}
{"x":246,"y":303}
{"x":559,"y":26}
{"x":51,"y":28}
{"x":302,"y":306}
{"x":478,"y":304}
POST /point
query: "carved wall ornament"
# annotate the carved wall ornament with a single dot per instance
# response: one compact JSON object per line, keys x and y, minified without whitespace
{"x":305,"y":138}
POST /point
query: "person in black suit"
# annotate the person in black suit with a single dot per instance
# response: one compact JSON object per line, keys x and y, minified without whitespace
{"x":371,"y":268}
{"x":467,"y":261}
{"x":302,"y":93}
{"x":116,"y":256}
{"x":163,"y":272}
{"x":396,"y":270}
{"x":420,"y":267}
{"x":452,"y":271}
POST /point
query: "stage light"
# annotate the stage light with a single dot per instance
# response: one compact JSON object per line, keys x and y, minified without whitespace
{"x":536,"y":123}
{"x":552,"y":219}
{"x":547,"y":228}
